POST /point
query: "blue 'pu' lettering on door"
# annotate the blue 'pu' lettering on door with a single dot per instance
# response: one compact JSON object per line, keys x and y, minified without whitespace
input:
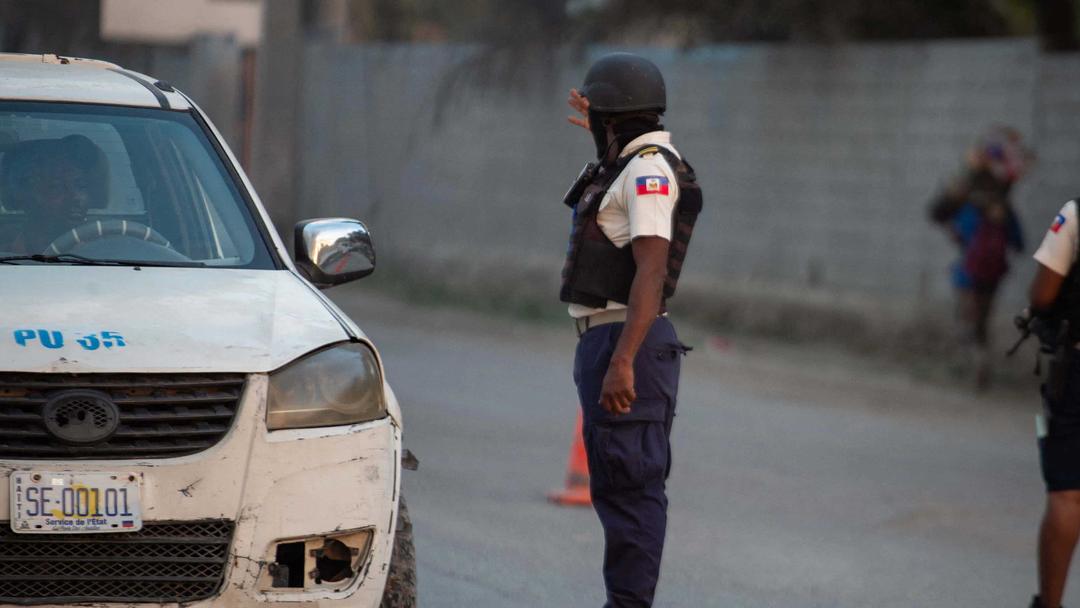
{"x":55,"y":339}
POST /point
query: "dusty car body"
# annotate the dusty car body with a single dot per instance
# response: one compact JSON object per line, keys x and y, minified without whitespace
{"x":187,"y":419}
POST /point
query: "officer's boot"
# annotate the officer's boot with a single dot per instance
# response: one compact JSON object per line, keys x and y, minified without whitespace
{"x":1037,"y":603}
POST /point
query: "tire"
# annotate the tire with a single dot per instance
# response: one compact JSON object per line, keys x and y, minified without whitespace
{"x":400,"y":590}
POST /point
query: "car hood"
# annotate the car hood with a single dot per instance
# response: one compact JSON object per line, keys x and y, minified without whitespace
{"x":120,"y":319}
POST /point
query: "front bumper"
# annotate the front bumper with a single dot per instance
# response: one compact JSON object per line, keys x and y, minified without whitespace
{"x":275,"y":486}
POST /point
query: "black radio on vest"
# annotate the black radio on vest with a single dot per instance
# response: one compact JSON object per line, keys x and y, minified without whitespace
{"x":596,"y":270}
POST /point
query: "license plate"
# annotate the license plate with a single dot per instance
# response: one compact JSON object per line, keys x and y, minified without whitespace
{"x":74,"y":503}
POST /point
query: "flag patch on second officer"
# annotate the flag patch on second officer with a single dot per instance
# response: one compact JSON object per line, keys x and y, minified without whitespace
{"x":1059,"y":221}
{"x":652,"y":184}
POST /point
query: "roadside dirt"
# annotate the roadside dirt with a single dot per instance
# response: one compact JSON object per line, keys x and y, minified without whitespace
{"x":822,"y":374}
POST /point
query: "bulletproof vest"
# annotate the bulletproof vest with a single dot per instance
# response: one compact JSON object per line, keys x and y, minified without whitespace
{"x":596,"y":270}
{"x":1070,"y":299}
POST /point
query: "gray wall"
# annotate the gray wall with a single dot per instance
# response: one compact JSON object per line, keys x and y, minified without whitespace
{"x":817,"y":162}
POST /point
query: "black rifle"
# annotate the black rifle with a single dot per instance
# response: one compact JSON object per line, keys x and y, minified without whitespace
{"x":1053,"y":335}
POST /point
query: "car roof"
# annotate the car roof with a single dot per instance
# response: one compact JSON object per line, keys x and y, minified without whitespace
{"x":72,"y":79}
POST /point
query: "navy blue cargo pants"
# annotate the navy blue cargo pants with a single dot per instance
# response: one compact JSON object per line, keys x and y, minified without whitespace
{"x":630,"y":457}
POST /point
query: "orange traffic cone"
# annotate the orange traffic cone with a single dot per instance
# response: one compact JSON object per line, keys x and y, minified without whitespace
{"x":576,"y":492}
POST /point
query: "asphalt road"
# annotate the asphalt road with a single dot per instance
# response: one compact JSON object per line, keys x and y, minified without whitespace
{"x":801,"y":478}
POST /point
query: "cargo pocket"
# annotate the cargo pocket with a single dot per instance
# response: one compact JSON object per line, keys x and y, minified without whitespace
{"x":629,"y":455}
{"x":656,"y":371}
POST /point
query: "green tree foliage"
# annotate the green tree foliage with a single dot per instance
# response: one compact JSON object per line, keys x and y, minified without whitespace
{"x":55,"y":26}
{"x":1057,"y":24}
{"x":692,"y":22}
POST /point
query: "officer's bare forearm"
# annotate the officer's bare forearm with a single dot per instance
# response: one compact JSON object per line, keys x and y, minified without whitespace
{"x":646,"y":292}
{"x":1044,"y":289}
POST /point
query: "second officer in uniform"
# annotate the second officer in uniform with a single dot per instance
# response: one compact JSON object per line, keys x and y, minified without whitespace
{"x":1055,"y":303}
{"x":634,"y":211}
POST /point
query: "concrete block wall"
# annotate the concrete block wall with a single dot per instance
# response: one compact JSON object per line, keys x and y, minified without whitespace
{"x":1057,"y":139}
{"x":817,"y":162}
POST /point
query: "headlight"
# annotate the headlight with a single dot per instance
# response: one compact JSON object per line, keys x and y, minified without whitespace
{"x":335,"y":386}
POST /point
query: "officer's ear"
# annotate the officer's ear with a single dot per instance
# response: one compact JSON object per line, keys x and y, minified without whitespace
{"x":600,"y":119}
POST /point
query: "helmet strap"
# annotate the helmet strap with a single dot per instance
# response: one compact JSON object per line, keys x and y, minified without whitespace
{"x":611,"y":132}
{"x":612,"y":152}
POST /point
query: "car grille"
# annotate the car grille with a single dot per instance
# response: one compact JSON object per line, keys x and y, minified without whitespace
{"x":163,"y":562}
{"x":160,"y":415}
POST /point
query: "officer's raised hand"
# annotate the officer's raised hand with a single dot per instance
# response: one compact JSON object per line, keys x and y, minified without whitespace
{"x":581,"y":104}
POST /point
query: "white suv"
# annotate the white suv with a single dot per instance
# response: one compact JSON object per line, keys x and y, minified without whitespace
{"x":184,"y":417}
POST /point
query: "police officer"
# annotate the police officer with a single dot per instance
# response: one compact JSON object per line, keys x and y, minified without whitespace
{"x":634,"y":212}
{"x":1055,"y":302}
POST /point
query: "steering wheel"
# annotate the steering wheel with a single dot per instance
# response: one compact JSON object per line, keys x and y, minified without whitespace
{"x":101,"y":229}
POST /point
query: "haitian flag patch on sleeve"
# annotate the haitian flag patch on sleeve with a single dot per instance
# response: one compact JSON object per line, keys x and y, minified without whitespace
{"x":1059,"y":221}
{"x":652,"y":184}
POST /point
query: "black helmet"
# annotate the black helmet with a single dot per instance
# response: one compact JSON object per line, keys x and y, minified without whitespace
{"x":624,"y":82}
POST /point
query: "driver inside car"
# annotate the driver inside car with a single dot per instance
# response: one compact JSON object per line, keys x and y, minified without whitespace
{"x":54,"y":182}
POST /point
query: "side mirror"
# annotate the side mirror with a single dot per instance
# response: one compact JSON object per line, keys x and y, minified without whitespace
{"x":332,"y":251}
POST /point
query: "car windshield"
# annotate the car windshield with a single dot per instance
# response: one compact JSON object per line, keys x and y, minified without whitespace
{"x":89,"y":183}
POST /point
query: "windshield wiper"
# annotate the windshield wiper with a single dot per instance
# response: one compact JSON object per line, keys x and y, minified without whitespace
{"x":71,"y":258}
{"x":63,"y":258}
{"x":158,"y":263}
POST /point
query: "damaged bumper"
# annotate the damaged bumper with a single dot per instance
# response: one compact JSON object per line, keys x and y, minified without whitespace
{"x":301,"y":515}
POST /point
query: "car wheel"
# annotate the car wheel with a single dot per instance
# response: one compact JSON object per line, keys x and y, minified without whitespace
{"x":400,"y":591}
